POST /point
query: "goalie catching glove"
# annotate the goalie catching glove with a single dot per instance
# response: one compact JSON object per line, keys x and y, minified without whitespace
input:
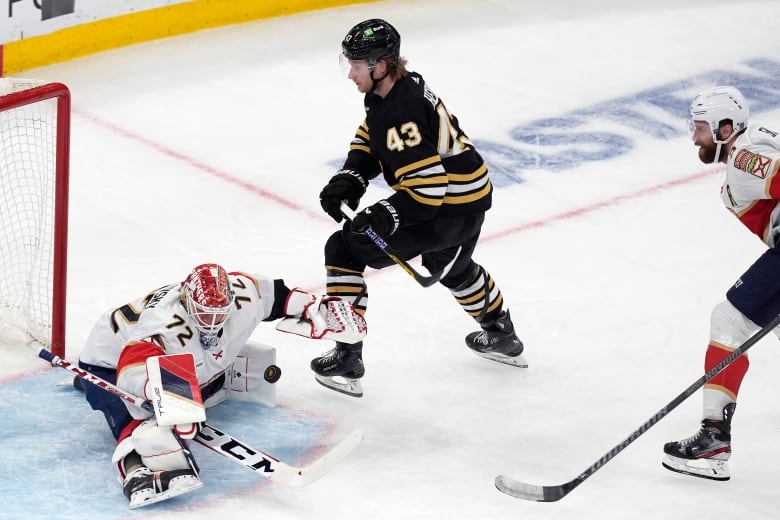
{"x":321,"y":317}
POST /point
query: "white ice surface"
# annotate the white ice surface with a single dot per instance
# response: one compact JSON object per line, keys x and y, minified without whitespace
{"x":214,"y":146}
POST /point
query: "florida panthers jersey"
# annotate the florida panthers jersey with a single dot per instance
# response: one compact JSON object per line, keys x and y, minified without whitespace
{"x":160,"y":318}
{"x":752,"y":187}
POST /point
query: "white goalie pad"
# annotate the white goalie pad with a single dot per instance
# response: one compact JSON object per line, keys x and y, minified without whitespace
{"x":329,"y":318}
{"x":159,"y":448}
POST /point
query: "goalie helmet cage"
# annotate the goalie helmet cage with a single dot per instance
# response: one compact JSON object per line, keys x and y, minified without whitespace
{"x":34,"y":169}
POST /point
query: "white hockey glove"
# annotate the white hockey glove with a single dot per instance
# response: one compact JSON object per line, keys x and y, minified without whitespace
{"x":322,"y":317}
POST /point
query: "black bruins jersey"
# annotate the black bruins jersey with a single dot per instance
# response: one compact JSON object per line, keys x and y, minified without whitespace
{"x":411,"y":138}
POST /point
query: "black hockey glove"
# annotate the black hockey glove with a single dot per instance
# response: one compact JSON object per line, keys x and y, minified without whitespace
{"x":381,"y":217}
{"x":345,"y":185}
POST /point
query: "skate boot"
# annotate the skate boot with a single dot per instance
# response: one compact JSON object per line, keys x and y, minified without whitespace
{"x":706,"y":453}
{"x":498,"y":342}
{"x":340,"y":369}
{"x":143,"y":486}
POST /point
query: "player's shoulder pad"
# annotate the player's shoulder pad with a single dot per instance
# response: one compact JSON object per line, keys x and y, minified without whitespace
{"x":763,"y":136}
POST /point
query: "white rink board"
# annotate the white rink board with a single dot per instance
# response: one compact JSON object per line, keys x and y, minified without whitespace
{"x":24,"y":18}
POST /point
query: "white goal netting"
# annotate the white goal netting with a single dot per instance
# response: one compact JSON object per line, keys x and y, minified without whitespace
{"x":28,"y":175}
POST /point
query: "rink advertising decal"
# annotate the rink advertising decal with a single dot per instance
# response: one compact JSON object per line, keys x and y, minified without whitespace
{"x":47,"y":8}
{"x":614,"y":128}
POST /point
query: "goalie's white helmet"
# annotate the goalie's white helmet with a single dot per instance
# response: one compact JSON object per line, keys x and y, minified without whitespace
{"x":717,"y":104}
{"x":208,"y":298}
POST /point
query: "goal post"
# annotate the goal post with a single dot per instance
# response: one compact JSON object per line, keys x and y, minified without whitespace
{"x":34,"y":170}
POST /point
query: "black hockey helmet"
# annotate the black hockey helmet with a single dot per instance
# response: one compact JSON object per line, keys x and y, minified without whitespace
{"x":371,"y":40}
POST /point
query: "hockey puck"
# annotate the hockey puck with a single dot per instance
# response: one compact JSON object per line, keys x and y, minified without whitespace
{"x":77,"y":384}
{"x":272,"y":374}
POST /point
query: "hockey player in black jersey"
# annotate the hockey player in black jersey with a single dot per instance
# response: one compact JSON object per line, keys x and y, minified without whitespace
{"x":441,"y":193}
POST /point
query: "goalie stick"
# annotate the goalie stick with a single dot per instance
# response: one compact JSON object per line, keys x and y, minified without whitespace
{"x":518,"y":489}
{"x":381,"y":243}
{"x":220,"y":442}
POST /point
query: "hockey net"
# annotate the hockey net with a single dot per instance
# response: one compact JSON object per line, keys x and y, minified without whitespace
{"x":34,"y":163}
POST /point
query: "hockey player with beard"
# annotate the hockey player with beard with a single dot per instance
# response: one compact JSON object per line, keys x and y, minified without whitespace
{"x":210,"y":315}
{"x":441,"y":193}
{"x":719,"y":126}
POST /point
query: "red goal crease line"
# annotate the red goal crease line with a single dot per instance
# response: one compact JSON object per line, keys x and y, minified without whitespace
{"x":199,"y":165}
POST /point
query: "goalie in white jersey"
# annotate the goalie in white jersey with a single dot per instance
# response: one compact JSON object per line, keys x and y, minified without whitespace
{"x":751,"y":191}
{"x":210,"y":315}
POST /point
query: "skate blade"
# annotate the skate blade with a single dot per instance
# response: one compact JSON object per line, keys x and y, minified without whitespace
{"x":344,"y":385}
{"x":517,"y":361}
{"x":703,"y":468}
{"x":142,"y":500}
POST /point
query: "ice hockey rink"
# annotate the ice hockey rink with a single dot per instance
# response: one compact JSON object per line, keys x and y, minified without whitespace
{"x":607,"y":238}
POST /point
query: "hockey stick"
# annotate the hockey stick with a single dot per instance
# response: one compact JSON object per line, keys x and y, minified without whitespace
{"x":381,"y":243}
{"x":517,"y":489}
{"x":267,"y":465}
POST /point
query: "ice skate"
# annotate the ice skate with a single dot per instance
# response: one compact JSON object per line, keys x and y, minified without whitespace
{"x":706,"y":453}
{"x":143,"y":486}
{"x":340,"y":369}
{"x":498,"y":343}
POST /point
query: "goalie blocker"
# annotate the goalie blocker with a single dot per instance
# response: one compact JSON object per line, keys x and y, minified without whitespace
{"x":251,"y":378}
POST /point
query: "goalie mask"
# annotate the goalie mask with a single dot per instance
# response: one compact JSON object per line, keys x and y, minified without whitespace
{"x":208,"y":299}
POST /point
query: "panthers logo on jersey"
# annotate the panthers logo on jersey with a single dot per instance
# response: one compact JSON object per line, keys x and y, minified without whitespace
{"x":753,"y":163}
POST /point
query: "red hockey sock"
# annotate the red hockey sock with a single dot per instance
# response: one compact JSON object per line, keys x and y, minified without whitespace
{"x":730,"y":378}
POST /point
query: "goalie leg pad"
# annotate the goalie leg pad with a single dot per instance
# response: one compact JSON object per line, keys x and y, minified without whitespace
{"x":159,"y":447}
{"x":154,"y":464}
